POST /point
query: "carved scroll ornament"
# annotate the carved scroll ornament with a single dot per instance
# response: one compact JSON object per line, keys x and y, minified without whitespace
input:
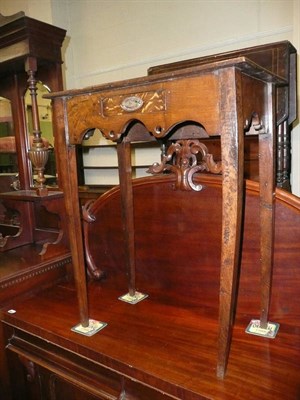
{"x":92,"y":269}
{"x":181,"y":158}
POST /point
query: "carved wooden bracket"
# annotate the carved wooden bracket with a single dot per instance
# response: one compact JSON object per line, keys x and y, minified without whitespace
{"x":181,"y":158}
{"x":87,"y":216}
{"x":92,"y":269}
{"x":255,"y":123}
{"x":30,"y":368}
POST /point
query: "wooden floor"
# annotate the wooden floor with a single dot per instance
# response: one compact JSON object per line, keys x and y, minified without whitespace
{"x":146,"y":341}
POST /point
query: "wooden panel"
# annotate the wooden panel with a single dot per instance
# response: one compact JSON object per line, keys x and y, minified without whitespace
{"x":175,"y":240}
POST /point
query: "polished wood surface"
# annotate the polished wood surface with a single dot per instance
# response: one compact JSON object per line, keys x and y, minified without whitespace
{"x":165,"y":346}
{"x":23,"y":271}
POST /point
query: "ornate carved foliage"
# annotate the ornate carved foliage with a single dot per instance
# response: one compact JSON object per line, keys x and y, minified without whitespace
{"x":182,"y":158}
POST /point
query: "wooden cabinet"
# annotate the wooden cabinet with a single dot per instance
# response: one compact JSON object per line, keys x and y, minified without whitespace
{"x":43,"y":370}
{"x":34,"y":249}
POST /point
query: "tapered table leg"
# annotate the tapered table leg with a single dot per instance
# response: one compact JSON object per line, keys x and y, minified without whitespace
{"x":232,"y":147}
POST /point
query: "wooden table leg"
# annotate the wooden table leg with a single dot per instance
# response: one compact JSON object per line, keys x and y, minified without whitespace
{"x":125,"y":173}
{"x":267,"y":198}
{"x":232,"y":147}
{"x":68,"y":181}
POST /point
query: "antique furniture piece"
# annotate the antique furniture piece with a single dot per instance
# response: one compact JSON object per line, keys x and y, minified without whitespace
{"x":225,"y":98}
{"x":165,"y":346}
{"x":32,"y":217}
{"x":281,"y":59}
